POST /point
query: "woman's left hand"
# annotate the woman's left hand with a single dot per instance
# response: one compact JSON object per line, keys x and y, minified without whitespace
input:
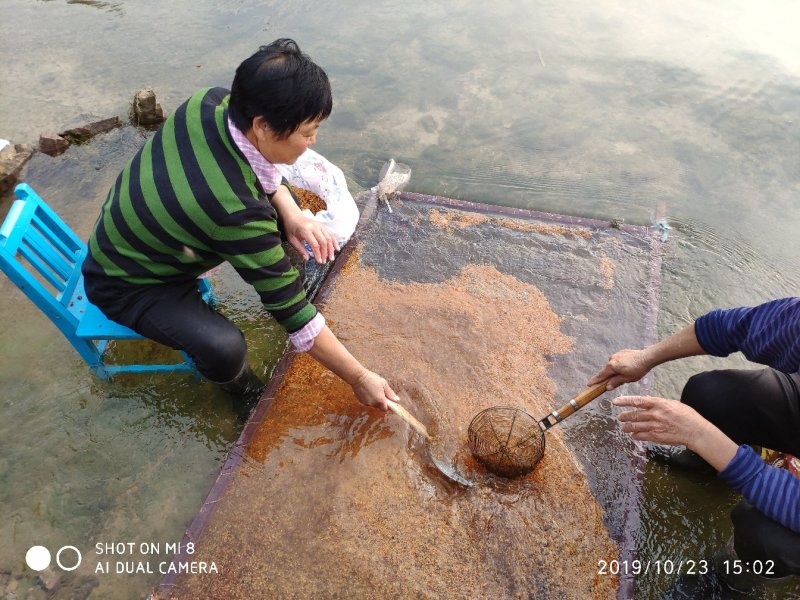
{"x":320,"y":239}
{"x":299,"y":228}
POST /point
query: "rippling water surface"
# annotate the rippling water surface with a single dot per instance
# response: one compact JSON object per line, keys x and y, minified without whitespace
{"x":602,"y":109}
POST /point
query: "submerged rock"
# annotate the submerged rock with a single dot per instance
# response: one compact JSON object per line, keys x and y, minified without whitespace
{"x":11,"y":586}
{"x":74,"y":587}
{"x":48,"y":579}
{"x":12,"y":158}
{"x":146,"y":110}
{"x":88,"y":131}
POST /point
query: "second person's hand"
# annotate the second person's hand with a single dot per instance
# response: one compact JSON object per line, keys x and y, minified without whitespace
{"x":625,"y":366}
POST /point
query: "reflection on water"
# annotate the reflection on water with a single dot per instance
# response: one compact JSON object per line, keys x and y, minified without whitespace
{"x":590,"y":108}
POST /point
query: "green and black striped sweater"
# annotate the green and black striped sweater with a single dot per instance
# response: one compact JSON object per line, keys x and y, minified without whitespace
{"x":188,"y":201}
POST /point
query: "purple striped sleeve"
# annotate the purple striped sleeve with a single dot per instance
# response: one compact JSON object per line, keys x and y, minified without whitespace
{"x":768,"y":334}
{"x":775,"y":492}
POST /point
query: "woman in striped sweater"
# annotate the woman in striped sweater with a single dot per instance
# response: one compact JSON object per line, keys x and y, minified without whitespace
{"x":205,"y":190}
{"x":723,"y":414}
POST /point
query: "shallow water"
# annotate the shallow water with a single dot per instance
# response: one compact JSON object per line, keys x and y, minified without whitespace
{"x":599,"y":109}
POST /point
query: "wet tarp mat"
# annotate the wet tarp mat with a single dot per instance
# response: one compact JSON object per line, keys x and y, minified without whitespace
{"x":460,"y":307}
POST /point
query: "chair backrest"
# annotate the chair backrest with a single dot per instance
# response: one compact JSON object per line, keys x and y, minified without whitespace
{"x":42,"y":256}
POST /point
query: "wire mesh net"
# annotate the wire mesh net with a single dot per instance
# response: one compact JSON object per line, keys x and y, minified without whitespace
{"x":506,"y":440}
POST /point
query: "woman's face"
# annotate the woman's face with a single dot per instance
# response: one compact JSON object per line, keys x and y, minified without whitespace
{"x":289,"y":149}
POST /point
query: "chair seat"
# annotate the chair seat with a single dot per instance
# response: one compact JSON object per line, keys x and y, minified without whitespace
{"x":96,"y":326}
{"x":92,"y":323}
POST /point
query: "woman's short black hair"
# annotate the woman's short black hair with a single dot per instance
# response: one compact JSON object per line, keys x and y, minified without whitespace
{"x":282,"y":85}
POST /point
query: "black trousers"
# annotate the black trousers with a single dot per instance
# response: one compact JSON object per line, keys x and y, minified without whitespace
{"x":174,"y":314}
{"x":757,"y":407}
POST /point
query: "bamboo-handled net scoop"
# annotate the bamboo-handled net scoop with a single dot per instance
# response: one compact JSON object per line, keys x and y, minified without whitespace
{"x":506,"y":440}
{"x":510,"y":442}
{"x":444,"y":467}
{"x":401,"y":412}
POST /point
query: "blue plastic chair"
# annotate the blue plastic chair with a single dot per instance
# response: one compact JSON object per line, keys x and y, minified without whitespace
{"x":43,"y":257}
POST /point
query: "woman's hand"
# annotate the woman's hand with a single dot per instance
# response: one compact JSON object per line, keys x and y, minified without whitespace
{"x":625,"y":366}
{"x":370,"y":388}
{"x":300,"y":228}
{"x":373,"y":390}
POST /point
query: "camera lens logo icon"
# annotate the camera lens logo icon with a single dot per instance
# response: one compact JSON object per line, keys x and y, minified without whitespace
{"x":38,"y":558}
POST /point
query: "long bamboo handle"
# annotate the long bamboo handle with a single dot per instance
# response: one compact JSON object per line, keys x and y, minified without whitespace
{"x":401,"y":412}
{"x":581,"y":400}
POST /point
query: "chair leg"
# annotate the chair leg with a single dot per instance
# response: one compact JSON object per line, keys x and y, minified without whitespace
{"x":207,"y":292}
{"x":100,"y":371}
{"x":188,"y":360}
{"x":92,"y":355}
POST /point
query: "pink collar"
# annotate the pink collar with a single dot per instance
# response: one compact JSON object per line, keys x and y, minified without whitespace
{"x":269,"y":177}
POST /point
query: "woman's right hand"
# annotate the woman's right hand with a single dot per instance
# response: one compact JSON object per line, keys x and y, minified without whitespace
{"x":373,"y":390}
{"x":625,"y":366}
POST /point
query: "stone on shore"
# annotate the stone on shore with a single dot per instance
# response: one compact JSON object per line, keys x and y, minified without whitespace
{"x":146,"y":110}
{"x":52,"y":144}
{"x":48,"y":579}
{"x":12,"y":158}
